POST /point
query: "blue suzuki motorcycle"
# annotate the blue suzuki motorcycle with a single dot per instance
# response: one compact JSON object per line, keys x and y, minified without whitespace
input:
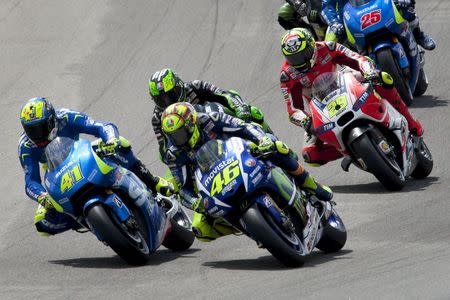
{"x":376,"y":28}
{"x":79,"y":181}
{"x":262,"y":201}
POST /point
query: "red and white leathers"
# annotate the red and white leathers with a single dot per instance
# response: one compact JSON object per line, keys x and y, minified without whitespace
{"x":296,"y":90}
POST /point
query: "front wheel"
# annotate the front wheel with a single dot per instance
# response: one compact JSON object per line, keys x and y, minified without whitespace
{"x":424,"y":161}
{"x":387,"y":63}
{"x":422,"y":83}
{"x":181,"y":236}
{"x":285,"y":246}
{"x":384,"y":167}
{"x":129,"y":244}
{"x":334,"y":235}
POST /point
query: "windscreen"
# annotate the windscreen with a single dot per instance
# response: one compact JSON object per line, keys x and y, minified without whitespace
{"x":359,"y":2}
{"x":208,"y":154}
{"x":325,"y":84}
{"x":57,"y":151}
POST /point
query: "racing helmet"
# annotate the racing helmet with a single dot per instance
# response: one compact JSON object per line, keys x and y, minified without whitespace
{"x":299,"y":48}
{"x":165,"y":88}
{"x":38,"y":120}
{"x":179,"y":124}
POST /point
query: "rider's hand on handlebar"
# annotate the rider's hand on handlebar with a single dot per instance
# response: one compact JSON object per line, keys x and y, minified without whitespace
{"x":306,"y":123}
{"x":300,"y":7}
{"x":198,"y":206}
{"x":110,"y":147}
{"x":337,"y":29}
{"x":372,"y":75}
{"x":403,"y":3}
{"x":45,"y":200}
{"x":266,"y":145}
{"x":164,"y":187}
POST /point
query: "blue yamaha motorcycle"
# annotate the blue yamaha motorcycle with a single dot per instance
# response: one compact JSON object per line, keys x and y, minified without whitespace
{"x":80,"y":181}
{"x":376,"y":28}
{"x":262,"y":201}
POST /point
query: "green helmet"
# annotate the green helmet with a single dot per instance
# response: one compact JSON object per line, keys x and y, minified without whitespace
{"x":165,"y":88}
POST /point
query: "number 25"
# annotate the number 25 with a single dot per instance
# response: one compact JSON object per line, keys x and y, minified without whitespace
{"x":370,"y":19}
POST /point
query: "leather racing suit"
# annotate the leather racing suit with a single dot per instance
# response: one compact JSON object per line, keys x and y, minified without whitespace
{"x":70,"y":124}
{"x":296,"y":90}
{"x":218,"y":125}
{"x":201,"y":92}
{"x":289,"y":18}
{"x":332,"y":14}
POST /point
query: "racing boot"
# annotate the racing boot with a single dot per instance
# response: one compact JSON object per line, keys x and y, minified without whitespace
{"x":49,"y":222}
{"x":394,"y":98}
{"x":306,"y":182}
{"x":155,"y":183}
{"x":207,"y":229}
{"x":423,"y":39}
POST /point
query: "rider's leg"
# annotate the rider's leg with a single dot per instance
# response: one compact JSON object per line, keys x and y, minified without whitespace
{"x":207,"y":229}
{"x":287,"y":160}
{"x":316,"y":153}
{"x":49,"y":222}
{"x":389,"y":92}
{"x":132,"y":163}
{"x":422,"y":39}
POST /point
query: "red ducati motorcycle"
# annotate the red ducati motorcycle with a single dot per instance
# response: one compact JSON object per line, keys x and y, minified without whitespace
{"x":367,"y":130}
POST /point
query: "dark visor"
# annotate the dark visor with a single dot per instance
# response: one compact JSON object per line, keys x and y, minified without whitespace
{"x":37,"y":132}
{"x":180,"y":136}
{"x":301,"y":60}
{"x":167,"y":98}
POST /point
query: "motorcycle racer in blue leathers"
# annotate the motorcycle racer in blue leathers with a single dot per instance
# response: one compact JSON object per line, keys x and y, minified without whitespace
{"x":187,"y":130}
{"x":42,"y":123}
{"x":332,"y":11}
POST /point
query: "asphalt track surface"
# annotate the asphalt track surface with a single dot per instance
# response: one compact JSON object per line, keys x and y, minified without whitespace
{"x":96,"y":56}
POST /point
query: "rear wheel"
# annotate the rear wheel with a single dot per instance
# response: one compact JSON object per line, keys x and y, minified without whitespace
{"x":383,"y":166}
{"x":127,"y":240}
{"x":283,"y":244}
{"x":334,"y":235}
{"x":388,"y":64}
{"x":424,"y":161}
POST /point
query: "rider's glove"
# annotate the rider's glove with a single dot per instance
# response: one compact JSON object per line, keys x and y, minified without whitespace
{"x":45,"y":200}
{"x":403,"y":3}
{"x":243,"y":112}
{"x":306,"y":123}
{"x":371,"y":75}
{"x":164,"y":187}
{"x":110,"y":147}
{"x":314,"y":16}
{"x":301,"y":7}
{"x":198,"y":205}
{"x":337,"y":28}
{"x":266,"y":145}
